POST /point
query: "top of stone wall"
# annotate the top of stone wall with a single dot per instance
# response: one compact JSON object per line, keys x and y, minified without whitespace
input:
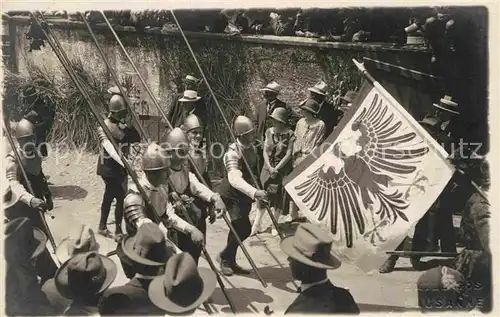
{"x":289,"y":41}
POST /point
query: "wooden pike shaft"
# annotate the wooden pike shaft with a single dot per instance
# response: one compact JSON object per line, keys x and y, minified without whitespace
{"x":164,"y":116}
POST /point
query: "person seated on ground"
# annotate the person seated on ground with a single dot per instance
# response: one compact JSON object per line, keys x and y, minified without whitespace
{"x":23,"y":244}
{"x":183,"y":287}
{"x":309,"y":252}
{"x":147,"y":253}
{"x":80,"y":240}
{"x":466,"y":283}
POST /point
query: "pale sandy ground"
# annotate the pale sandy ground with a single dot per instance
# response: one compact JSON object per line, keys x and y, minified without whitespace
{"x":77,"y":192}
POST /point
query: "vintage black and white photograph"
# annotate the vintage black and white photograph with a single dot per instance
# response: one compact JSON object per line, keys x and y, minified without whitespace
{"x":293,"y":159}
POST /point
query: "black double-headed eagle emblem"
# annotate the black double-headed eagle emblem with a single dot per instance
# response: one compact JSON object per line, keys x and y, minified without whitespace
{"x":358,"y":180}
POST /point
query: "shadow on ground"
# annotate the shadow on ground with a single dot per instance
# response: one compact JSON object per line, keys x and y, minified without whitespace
{"x":242,"y":298}
{"x":68,"y":192}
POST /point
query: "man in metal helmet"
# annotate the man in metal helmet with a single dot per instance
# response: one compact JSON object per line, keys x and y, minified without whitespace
{"x":193,"y":127}
{"x":184,"y":187}
{"x":236,"y":191}
{"x":29,"y":205}
{"x":155,"y":167}
{"x":110,"y":166}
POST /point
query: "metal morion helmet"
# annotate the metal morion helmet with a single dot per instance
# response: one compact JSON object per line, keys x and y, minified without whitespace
{"x":117,"y":103}
{"x":24,"y":128}
{"x":176,"y":140}
{"x":153,"y":160}
{"x":242,"y":125}
{"x":191,"y":122}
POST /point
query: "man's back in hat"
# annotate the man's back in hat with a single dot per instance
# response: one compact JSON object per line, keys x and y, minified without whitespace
{"x":309,"y":251}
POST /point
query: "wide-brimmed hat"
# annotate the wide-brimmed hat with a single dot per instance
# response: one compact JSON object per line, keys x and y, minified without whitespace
{"x":23,"y":241}
{"x":85,"y":274}
{"x":312,"y":246}
{"x":10,"y":198}
{"x":272,"y":87}
{"x":183,"y":287}
{"x":82,"y":240}
{"x":447,"y":104}
{"x":115,"y":90}
{"x":310,"y":105}
{"x":319,"y":88}
{"x":189,"y":96}
{"x":148,"y":246}
{"x":280,"y":114}
{"x":191,"y":79}
{"x":349,"y":96}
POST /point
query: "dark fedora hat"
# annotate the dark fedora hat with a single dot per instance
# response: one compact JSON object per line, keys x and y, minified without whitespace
{"x":312,"y":246}
{"x":148,"y":246}
{"x":22,"y":240}
{"x":349,"y":96}
{"x":84,"y":274}
{"x":183,"y":287}
{"x":311,"y":106}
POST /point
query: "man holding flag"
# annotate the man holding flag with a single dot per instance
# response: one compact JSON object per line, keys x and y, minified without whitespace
{"x":378,"y":177}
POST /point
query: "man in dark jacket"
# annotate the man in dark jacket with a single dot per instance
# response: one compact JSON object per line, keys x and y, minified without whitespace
{"x":309,"y":252}
{"x":23,"y":244}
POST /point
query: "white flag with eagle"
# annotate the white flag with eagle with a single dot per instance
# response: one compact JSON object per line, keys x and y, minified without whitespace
{"x":374,"y":177}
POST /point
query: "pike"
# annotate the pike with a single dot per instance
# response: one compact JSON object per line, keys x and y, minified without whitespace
{"x":28,"y":184}
{"x":254,"y":179}
{"x":196,"y":171}
{"x":96,"y":42}
{"x":64,"y":60}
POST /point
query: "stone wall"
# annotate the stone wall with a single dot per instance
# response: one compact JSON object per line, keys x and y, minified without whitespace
{"x":235,"y":69}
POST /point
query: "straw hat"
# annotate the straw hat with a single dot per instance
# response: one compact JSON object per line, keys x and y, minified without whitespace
{"x":272,"y":87}
{"x":192,"y":79}
{"x":319,"y":88}
{"x":189,"y":96}
{"x":447,"y":104}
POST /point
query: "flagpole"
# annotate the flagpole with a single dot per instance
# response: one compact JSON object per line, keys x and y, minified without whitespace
{"x":387,"y":95}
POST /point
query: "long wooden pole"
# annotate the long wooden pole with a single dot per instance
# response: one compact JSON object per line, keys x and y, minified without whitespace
{"x":254,"y":179}
{"x":195,"y":169}
{"x":28,"y":184}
